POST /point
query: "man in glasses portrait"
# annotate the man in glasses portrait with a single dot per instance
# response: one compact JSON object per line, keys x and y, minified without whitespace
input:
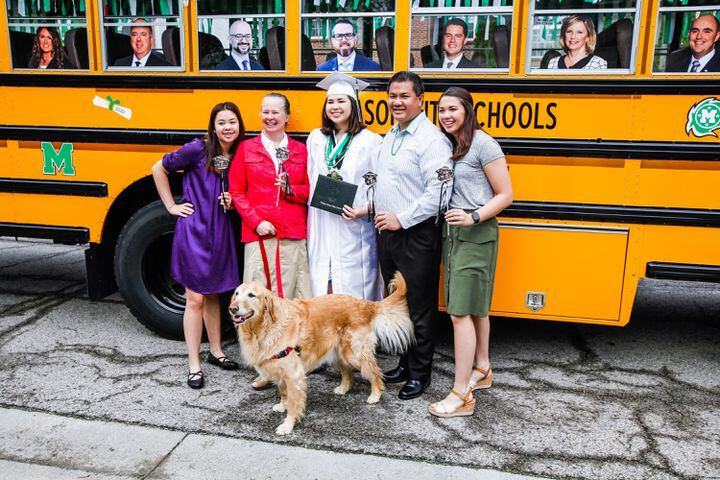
{"x":347,"y":59}
{"x":241,"y":42}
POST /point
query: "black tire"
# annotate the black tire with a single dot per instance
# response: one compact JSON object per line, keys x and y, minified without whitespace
{"x":142,"y":271}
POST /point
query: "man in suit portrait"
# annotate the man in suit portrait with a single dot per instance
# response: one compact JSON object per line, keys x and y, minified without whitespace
{"x":141,"y":41}
{"x":703,"y":34}
{"x":347,"y":59}
{"x":454,"y":36}
{"x":241,"y":42}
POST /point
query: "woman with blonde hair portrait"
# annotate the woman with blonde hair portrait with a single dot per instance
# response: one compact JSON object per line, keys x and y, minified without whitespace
{"x":577,"y":39}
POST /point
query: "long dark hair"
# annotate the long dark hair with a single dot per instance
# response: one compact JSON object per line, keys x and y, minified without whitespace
{"x":355,"y":126}
{"x":58,"y":51}
{"x":212,"y":144}
{"x":461,"y":145}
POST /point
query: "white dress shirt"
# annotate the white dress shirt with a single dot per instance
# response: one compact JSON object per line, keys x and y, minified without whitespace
{"x":453,"y":63}
{"x":239,"y":59}
{"x":271,"y":148}
{"x":345,"y":64}
{"x":142,"y":61}
{"x":407,"y":182}
{"x":703,"y":61}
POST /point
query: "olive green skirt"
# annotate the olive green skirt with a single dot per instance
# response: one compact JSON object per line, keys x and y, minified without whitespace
{"x":469,"y":259}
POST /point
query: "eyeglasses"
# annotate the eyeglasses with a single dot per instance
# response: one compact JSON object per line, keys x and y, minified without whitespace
{"x":340,"y":36}
{"x":240,"y":36}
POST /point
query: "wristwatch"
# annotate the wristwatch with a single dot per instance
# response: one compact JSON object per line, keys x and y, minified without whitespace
{"x":475,"y":216}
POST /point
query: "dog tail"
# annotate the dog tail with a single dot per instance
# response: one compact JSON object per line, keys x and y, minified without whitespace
{"x":391,"y":323}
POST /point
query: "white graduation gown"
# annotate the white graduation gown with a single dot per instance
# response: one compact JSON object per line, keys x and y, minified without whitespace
{"x":350,"y":246}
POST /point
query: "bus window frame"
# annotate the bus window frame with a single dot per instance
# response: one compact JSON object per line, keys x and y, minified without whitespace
{"x":314,"y":15}
{"x":234,"y":18}
{"x":10,"y":24}
{"x":464,"y":12}
{"x":182,"y":68}
{"x":630,"y":71}
{"x":661,"y":10}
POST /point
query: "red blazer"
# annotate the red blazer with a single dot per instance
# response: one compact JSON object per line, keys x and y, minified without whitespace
{"x":253,"y":190}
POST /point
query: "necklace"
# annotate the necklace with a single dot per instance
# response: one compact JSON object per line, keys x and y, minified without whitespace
{"x":393,"y":150}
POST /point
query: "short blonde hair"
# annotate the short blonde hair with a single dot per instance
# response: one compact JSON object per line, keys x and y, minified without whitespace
{"x":589,"y":25}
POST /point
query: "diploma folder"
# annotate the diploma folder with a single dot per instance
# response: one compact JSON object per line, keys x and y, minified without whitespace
{"x":330,"y":194}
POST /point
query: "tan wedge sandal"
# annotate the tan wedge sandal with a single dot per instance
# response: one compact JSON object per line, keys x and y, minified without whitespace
{"x":465,"y":409}
{"x":484,"y":382}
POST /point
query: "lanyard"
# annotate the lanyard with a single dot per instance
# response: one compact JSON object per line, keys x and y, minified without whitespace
{"x":334,"y":154}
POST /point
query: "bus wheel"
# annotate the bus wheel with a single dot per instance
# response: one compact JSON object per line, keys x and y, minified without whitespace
{"x":142,"y":271}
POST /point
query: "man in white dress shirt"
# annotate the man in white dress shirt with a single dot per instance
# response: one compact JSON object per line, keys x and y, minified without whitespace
{"x":703,"y":56}
{"x":407,"y":198}
{"x":241,"y":43}
{"x":141,"y":42}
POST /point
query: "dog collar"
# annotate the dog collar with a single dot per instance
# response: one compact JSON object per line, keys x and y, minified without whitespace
{"x":286,"y":352}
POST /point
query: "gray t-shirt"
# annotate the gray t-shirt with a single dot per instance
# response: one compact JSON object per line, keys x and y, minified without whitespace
{"x":471,"y":187}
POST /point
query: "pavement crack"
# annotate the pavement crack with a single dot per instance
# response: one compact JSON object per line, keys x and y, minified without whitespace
{"x":164,"y":459}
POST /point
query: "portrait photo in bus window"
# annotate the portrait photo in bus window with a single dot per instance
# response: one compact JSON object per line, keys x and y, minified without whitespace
{"x":586,"y":38}
{"x":688,"y":37}
{"x":142,"y":35}
{"x":48,"y":35}
{"x":460,"y":42}
{"x":241,"y":36}
{"x":352,"y":36}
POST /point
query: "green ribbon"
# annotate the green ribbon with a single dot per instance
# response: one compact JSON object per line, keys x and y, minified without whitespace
{"x":111,"y":102}
{"x":334,"y":156}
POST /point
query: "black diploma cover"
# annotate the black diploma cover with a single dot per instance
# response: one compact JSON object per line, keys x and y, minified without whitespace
{"x":330,"y":194}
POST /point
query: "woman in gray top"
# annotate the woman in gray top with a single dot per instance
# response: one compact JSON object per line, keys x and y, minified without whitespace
{"x":481,"y":190}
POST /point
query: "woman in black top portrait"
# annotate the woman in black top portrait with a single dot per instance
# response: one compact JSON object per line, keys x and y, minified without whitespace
{"x":47,"y":50}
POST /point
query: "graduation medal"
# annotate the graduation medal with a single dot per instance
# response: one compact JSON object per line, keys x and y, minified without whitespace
{"x":334,"y":155}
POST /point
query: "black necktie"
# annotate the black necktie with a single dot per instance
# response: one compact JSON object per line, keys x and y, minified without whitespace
{"x":137,"y":63}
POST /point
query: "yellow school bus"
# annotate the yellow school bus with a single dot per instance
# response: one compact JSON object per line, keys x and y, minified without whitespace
{"x":615,"y":166}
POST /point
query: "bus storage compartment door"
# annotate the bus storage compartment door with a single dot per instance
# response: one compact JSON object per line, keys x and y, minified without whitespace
{"x":548,"y":270}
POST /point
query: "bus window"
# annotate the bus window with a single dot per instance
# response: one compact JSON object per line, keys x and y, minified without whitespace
{"x":348,"y":36}
{"x":142,"y":35}
{"x":238,"y":36}
{"x":688,"y":37}
{"x":581,"y":36}
{"x":48,"y":35}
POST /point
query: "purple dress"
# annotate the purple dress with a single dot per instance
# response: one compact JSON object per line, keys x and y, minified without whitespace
{"x":204,"y":257}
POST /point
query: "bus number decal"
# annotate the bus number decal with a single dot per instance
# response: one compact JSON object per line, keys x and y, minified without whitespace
{"x":60,"y":160}
{"x":703,"y":118}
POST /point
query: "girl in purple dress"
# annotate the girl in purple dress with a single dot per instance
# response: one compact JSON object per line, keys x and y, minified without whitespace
{"x":203,"y":252}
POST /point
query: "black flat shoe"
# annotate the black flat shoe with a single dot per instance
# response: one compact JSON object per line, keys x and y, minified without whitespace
{"x":196,"y":379}
{"x":223,"y":362}
{"x":413,"y":389}
{"x":396,"y":375}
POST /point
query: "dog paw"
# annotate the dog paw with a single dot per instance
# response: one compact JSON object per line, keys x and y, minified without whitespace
{"x":284,"y":428}
{"x":279,"y":407}
{"x":373,"y":399}
{"x":340,"y":390}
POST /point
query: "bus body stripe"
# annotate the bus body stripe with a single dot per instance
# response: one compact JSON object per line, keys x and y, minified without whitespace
{"x":562,"y":86}
{"x":683,"y":271}
{"x":543,"y":147}
{"x":53,"y":187}
{"x":62,"y":234}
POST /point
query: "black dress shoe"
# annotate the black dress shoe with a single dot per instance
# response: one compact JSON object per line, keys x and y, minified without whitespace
{"x":196,"y":379}
{"x":223,"y":362}
{"x":398,"y":374}
{"x":413,"y":389}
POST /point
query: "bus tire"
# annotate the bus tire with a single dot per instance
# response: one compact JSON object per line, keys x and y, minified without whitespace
{"x":142,"y":271}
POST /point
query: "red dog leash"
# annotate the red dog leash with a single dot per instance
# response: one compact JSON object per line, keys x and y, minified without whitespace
{"x":266,"y":265}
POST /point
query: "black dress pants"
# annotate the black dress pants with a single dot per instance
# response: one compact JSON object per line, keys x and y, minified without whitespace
{"x":415,"y":252}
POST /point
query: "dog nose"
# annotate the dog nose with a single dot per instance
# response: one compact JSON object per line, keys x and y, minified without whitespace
{"x":233,"y":310}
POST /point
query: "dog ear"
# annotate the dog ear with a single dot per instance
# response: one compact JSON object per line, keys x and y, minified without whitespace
{"x":270,"y":305}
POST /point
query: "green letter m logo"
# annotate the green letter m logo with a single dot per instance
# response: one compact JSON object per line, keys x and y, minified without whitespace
{"x":54,"y":161}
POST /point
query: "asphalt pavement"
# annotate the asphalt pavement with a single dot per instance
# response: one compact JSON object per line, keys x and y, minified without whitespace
{"x":88,"y":392}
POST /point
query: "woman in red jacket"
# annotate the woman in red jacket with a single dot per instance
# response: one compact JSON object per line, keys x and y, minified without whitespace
{"x":269,"y":187}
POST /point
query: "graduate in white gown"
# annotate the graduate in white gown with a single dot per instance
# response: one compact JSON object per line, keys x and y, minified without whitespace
{"x":342,"y":250}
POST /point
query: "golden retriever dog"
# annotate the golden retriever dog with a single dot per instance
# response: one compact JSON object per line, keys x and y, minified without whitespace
{"x":284,"y":339}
